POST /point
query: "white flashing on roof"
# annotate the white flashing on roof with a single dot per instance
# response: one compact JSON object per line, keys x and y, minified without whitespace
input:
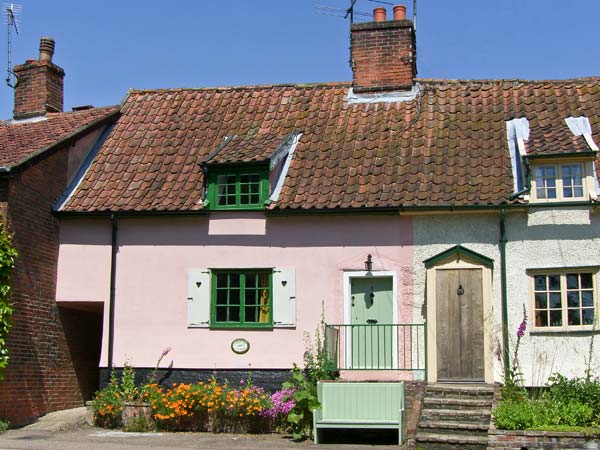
{"x":384,"y":97}
{"x":517,"y":132}
{"x":28,"y":120}
{"x":580,"y":126}
{"x":291,"y":148}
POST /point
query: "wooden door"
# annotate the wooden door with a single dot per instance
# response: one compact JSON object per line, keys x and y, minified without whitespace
{"x":459,"y":324}
{"x":372,"y":316}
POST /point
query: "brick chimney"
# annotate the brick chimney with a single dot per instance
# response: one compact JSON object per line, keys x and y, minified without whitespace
{"x":39,"y":88}
{"x":383,"y":53}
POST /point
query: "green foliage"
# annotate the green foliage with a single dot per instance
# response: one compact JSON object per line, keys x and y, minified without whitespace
{"x":316,"y":359}
{"x":108,"y":404}
{"x":8,"y":256}
{"x":565,"y":404}
{"x":514,"y":415}
{"x":4,"y":424}
{"x":139,"y":424}
{"x":128,"y":388}
{"x":305,"y":395}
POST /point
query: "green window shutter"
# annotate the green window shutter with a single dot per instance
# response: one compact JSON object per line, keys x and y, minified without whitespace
{"x":198,"y":297}
{"x":284,"y":297}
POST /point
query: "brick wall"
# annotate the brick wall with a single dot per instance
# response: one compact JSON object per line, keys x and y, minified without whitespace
{"x":40,"y":89}
{"x":40,"y":376}
{"x":383,"y":55}
{"x":547,"y":440}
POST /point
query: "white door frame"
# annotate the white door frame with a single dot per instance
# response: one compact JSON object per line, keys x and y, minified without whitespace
{"x":348,"y":276}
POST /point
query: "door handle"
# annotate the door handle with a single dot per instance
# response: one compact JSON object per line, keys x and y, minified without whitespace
{"x":371,"y":321}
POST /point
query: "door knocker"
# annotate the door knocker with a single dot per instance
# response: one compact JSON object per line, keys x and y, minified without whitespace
{"x":460,"y":290}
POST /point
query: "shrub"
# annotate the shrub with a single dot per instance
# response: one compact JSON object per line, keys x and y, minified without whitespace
{"x":108,"y":404}
{"x":4,"y":424}
{"x":514,"y":415}
{"x":299,"y":418}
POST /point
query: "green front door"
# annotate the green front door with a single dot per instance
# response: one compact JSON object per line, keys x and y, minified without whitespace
{"x":372,"y":317}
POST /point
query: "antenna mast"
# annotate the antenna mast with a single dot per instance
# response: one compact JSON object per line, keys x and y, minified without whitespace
{"x":12,"y":11}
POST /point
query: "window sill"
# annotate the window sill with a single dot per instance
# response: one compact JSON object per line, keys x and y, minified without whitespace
{"x":267,"y":327}
{"x":563,"y":332}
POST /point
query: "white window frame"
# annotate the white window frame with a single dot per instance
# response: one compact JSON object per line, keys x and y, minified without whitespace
{"x":562,"y":272}
{"x":586,"y":179}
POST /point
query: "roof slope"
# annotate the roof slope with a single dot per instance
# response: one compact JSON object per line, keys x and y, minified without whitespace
{"x":446,"y":147}
{"x":21,"y":140}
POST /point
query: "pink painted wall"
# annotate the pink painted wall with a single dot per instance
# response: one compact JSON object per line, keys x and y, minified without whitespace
{"x":155,"y":254}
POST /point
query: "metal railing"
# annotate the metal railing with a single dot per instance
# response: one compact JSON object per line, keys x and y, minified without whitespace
{"x":376,"y":347}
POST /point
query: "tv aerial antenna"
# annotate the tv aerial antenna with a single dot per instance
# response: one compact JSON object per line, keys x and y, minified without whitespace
{"x":343,"y":13}
{"x":12,"y":11}
{"x":350,"y":12}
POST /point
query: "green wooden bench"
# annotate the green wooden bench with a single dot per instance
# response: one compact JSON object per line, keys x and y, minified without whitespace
{"x":360,"y":405}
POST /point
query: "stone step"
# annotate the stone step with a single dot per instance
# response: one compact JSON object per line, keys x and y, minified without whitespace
{"x":450,"y":441}
{"x":442,"y":426}
{"x":459,"y":390}
{"x":481,"y":415}
{"x":456,"y":403}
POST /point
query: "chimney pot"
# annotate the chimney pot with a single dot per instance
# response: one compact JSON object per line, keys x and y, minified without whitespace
{"x":399,"y":12}
{"x":379,"y":14}
{"x":46,"y":49}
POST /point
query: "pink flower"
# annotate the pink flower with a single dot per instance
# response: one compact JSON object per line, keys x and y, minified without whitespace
{"x":523,"y":325}
{"x":165,"y":352}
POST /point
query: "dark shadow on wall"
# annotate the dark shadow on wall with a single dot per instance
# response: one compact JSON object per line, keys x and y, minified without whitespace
{"x":82,"y":325}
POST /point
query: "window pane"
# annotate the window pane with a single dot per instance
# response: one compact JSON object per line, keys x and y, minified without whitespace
{"x":568,"y":192}
{"x":540,"y":282}
{"x":221,"y":296}
{"x":234,"y":280}
{"x":587,"y":298}
{"x":250,"y":297}
{"x":588,"y":316}
{"x":555,"y":301}
{"x":554,"y":282}
{"x":541,"y":319}
{"x":572,"y":280}
{"x":251,"y":314}
{"x":234,"y":297}
{"x":541,"y":300}
{"x":578,"y":192}
{"x":221,"y":314}
{"x":221,"y":280}
{"x":573,"y":299}
{"x":574,"y":317}
{"x":250,"y":279}
{"x":551,"y":193}
{"x":587,"y":281}
{"x":234,"y":314}
{"x":556,"y":318}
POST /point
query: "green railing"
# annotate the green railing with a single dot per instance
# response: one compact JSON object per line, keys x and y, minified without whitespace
{"x":377,"y":347}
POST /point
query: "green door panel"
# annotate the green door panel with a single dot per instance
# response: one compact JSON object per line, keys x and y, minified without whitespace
{"x":372,"y":312}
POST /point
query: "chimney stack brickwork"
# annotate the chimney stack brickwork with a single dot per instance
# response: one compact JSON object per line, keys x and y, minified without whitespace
{"x":39,"y":88}
{"x":383,"y":56}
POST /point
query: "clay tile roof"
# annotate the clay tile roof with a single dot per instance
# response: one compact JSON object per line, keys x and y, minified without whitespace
{"x":447,"y":147}
{"x":553,"y":139}
{"x":19,"y":141}
{"x":235,"y":149}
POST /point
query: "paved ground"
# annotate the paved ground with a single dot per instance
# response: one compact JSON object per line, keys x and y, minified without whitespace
{"x":100,"y":439}
{"x":70,"y":430}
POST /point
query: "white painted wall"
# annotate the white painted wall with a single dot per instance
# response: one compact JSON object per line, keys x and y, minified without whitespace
{"x":538,"y":239}
{"x":550,"y":239}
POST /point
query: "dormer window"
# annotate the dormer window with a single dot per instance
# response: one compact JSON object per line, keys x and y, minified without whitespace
{"x":247,"y":173}
{"x":559,"y":181}
{"x":238,"y":188}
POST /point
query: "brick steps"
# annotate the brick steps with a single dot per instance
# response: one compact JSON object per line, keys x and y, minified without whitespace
{"x":455,"y":416}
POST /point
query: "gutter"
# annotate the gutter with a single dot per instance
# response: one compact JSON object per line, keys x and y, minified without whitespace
{"x":111,"y":301}
{"x":504,"y":299}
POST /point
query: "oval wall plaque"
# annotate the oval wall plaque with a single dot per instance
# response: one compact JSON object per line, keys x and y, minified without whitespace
{"x":240,"y":346}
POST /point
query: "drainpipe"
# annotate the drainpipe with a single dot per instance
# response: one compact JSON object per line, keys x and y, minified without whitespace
{"x":111,"y":304}
{"x":502,"y":245}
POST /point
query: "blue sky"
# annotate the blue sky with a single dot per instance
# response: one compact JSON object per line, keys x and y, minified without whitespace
{"x":107,"y":47}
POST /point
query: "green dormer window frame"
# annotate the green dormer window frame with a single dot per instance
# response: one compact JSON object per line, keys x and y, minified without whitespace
{"x":238,"y":187}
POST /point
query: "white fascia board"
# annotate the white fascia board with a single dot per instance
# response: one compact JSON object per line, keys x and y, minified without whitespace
{"x":290,"y":148}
